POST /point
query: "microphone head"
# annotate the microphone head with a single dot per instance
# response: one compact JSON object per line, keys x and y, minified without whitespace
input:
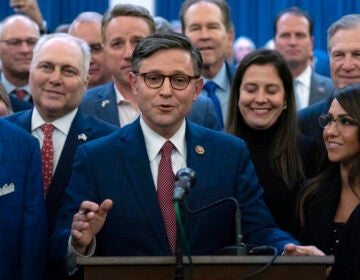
{"x":186,"y":173}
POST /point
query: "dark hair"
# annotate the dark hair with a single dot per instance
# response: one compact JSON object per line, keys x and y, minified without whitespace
{"x":284,"y":153}
{"x":223,"y":6}
{"x":165,"y":41}
{"x":294,"y":11}
{"x":349,"y":99}
{"x":126,"y":10}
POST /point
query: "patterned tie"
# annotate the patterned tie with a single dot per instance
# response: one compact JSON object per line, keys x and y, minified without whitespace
{"x":210,"y":87}
{"x":47,"y":155}
{"x":20,"y":93}
{"x":165,"y":190}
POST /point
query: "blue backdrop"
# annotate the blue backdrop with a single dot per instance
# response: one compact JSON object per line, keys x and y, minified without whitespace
{"x":254,"y":18}
{"x":56,"y":12}
{"x":251,"y":17}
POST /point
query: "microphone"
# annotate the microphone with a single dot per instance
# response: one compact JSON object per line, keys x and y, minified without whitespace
{"x":185,"y":180}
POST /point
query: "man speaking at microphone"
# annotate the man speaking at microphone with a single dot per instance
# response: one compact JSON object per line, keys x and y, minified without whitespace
{"x":120,"y":197}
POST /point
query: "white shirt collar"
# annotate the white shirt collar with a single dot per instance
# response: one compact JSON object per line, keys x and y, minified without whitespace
{"x":62,"y":124}
{"x":304,"y":77}
{"x":220,"y":79}
{"x":154,"y":141}
{"x":9,"y":87}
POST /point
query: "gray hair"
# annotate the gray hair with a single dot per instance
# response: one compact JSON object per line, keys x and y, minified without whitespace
{"x":85,"y":50}
{"x":86,"y":17}
{"x":346,"y":22}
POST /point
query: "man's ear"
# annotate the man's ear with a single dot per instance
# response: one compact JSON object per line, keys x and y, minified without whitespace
{"x":199,"y":83}
{"x":132,"y":80}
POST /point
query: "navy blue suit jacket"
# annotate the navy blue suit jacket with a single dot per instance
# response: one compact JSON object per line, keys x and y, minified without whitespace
{"x":117,"y":167}
{"x":23,"y":229}
{"x":82,"y":124}
{"x":308,"y":118}
{"x":100,"y":101}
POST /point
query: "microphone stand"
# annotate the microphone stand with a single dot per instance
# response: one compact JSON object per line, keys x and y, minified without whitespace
{"x":179,"y":253}
{"x":240,"y":248}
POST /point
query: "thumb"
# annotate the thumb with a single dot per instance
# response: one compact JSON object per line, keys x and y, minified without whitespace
{"x":105,"y":206}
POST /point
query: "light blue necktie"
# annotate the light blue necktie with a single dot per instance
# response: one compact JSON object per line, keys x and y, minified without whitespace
{"x":210,"y":87}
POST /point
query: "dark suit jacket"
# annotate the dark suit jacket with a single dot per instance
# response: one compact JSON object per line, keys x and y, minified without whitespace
{"x":320,"y":87}
{"x":100,"y":102}
{"x":23,"y":229}
{"x":20,"y":105}
{"x":117,"y":167}
{"x":308,"y":118}
{"x":82,"y":124}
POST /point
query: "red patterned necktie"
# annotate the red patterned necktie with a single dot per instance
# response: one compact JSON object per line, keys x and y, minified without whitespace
{"x":47,"y":155}
{"x":165,"y":190}
{"x":20,"y":93}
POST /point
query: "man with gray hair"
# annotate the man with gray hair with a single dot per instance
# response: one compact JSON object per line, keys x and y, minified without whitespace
{"x":58,"y":80}
{"x":87,"y":26}
{"x":343,"y":46}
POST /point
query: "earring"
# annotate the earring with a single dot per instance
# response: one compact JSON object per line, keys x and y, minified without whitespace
{"x":285,"y":106}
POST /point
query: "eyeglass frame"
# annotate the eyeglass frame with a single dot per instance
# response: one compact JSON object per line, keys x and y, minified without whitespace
{"x":329,"y":119}
{"x":17,"y":42}
{"x":169,"y":77}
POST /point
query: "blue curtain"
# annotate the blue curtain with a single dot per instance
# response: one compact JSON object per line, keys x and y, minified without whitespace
{"x":56,"y":12}
{"x":254,"y":18}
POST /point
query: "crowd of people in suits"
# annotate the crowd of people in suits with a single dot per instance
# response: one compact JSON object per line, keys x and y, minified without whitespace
{"x":116,"y":95}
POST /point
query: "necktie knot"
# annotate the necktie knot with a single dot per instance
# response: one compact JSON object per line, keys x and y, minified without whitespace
{"x":20,"y":93}
{"x":167,"y":149}
{"x":210,"y":87}
{"x":47,"y":129}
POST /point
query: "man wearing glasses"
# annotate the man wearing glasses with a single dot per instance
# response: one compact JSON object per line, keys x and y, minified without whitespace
{"x":18,"y":36}
{"x":123,"y":27}
{"x":87,"y":26}
{"x":116,"y":191}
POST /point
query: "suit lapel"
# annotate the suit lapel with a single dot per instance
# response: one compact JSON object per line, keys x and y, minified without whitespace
{"x":139,"y":173}
{"x":106,"y":105}
{"x":199,"y":154}
{"x":78,"y":134}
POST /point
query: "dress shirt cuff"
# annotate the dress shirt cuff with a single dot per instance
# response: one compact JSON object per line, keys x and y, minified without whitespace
{"x":72,"y":254}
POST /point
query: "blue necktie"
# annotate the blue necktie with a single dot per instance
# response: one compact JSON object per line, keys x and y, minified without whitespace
{"x":210,"y":87}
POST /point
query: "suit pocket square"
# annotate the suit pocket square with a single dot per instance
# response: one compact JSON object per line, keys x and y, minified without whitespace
{"x":7,"y":188}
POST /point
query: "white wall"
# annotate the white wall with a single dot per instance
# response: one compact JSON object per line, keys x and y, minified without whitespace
{"x":149,"y":4}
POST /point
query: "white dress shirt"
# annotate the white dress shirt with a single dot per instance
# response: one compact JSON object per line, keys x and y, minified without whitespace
{"x":154,"y":143}
{"x":302,"y":90}
{"x":127,"y":113}
{"x":61,"y":131}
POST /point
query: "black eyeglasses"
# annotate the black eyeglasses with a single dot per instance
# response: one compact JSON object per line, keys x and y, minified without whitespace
{"x":17,"y":43}
{"x":341,"y":121}
{"x":156,"y":80}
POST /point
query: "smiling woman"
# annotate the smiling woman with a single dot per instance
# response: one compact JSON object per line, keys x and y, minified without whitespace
{"x":329,"y":199}
{"x":262,"y":111}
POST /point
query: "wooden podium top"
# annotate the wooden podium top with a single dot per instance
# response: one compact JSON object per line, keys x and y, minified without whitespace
{"x":111,"y":261}
{"x":205,"y":267}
